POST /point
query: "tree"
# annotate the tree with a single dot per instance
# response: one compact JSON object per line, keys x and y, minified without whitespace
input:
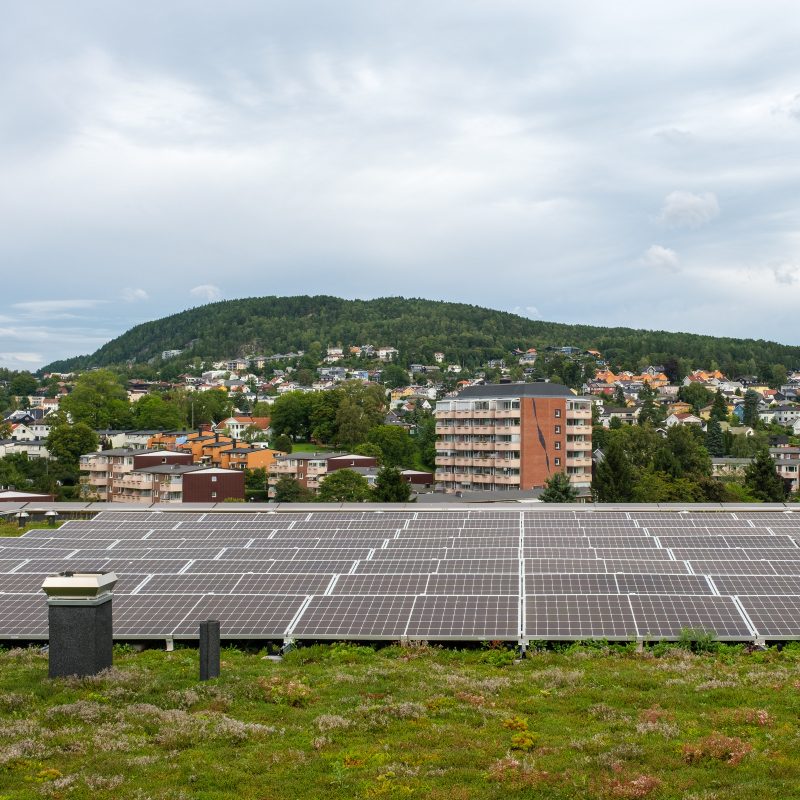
{"x":682,"y":454}
{"x":696,"y":395}
{"x":67,"y":443}
{"x":651,"y":411}
{"x":619,"y":397}
{"x":763,"y":481}
{"x":751,"y":401}
{"x":559,"y":489}
{"x":391,"y":487}
{"x":714,"y":441}
{"x":289,"y":490}
{"x":343,"y":486}
{"x":289,"y":415}
{"x":282,"y":443}
{"x":614,"y":476}
{"x":719,"y":408}
{"x":394,"y":376}
{"x":152,"y":412}
{"x":100,"y":400}
{"x":23,"y":384}
{"x":395,"y":445}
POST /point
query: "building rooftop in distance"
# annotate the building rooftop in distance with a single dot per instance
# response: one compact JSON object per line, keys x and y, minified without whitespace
{"x":541,"y":389}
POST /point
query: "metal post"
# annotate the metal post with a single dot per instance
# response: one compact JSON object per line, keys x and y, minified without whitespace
{"x":209,"y":649}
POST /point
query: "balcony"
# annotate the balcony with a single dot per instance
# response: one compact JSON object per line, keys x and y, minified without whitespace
{"x":484,"y":414}
{"x":442,"y":461}
{"x":504,"y":446}
{"x":94,"y":480}
{"x":462,"y":429}
{"x":129,"y":482}
{"x":483,"y":479}
{"x":506,"y":480}
{"x":583,"y":461}
{"x":463,"y":462}
{"x":507,"y":413}
{"x":585,"y":430}
{"x":508,"y":430}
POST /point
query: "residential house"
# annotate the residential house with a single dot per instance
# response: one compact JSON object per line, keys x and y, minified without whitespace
{"x":387,"y":353}
{"x":683,"y":419}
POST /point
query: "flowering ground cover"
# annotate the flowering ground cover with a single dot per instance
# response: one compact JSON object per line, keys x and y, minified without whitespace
{"x":340,"y":721}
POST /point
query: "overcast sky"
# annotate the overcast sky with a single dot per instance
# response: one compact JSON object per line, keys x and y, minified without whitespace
{"x":625,"y":163}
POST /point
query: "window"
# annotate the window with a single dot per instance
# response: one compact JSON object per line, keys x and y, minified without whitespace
{"x":558,"y":445}
{"x":557,"y":462}
{"x":558,"y":429}
{"x":213,"y":494}
{"x":558,"y":413}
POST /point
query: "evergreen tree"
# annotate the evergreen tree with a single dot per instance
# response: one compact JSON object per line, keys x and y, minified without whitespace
{"x":651,"y":411}
{"x":559,"y":489}
{"x":763,"y":481}
{"x":614,"y":476}
{"x":714,"y":441}
{"x":619,"y":397}
{"x":719,"y":408}
{"x":391,"y":487}
{"x":751,"y":401}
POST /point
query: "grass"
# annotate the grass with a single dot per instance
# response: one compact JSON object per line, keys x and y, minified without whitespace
{"x":13,"y":529}
{"x":342,"y":721}
{"x":310,"y":447}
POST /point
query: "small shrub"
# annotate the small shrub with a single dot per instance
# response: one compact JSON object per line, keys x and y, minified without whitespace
{"x":730,"y":749}
{"x":523,"y":741}
{"x":285,"y":692}
{"x":640,"y":786}
{"x":515,"y":724}
{"x":697,"y":640}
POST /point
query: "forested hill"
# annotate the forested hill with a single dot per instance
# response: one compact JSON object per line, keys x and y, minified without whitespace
{"x":466,"y":334}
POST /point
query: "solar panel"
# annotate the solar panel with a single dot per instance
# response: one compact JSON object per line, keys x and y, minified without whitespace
{"x":380,"y":584}
{"x":566,"y":616}
{"x":253,"y":616}
{"x":355,"y":617}
{"x":465,"y":617}
{"x":458,"y":584}
{"x":234,"y":557}
{"x":571,"y":584}
{"x":150,"y":615}
{"x":773,"y":617}
{"x":671,"y":615}
{"x":757,"y":584}
{"x":663,"y":584}
{"x":23,"y":616}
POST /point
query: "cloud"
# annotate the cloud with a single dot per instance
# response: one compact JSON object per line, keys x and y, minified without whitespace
{"x":206,"y":292}
{"x":658,"y":257}
{"x":688,"y":210}
{"x":55,"y":306}
{"x":134,"y":295}
{"x":527,"y":311}
{"x":23,"y":360}
{"x":786,"y":274}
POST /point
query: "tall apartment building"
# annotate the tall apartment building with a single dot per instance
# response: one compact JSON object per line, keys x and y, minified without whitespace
{"x":501,"y":437}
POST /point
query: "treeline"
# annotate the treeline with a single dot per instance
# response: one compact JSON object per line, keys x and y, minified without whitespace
{"x":467,"y":334}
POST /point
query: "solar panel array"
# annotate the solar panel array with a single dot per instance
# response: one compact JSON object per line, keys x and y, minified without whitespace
{"x":438,"y":575}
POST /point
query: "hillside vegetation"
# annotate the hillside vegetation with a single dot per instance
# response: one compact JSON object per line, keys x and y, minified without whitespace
{"x":467,"y":334}
{"x":348,"y":722}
